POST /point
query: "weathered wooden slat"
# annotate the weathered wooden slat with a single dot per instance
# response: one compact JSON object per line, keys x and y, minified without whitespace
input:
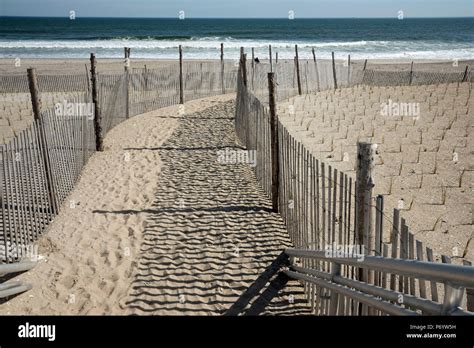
{"x":378,"y":234}
{"x":394,"y":241}
{"x":384,"y":274}
{"x":14,"y":238}
{"x":334,"y":207}
{"x":403,"y":281}
{"x":19,"y":240}
{"x":43,"y":175}
{"x":4,"y":198}
{"x":55,"y":159}
{"x":23,"y":192}
{"x":419,"y":257}
{"x":340,"y":218}
{"x":34,"y":185}
{"x":329,"y":206}
{"x":411,"y":256}
{"x":433,"y":288}
{"x":323,"y":205}
{"x":27,"y":188}
{"x":318,"y":205}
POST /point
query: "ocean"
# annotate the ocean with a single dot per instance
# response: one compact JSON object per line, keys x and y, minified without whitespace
{"x":433,"y":38}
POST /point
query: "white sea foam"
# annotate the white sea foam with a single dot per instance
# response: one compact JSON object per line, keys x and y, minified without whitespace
{"x":208,"y":48}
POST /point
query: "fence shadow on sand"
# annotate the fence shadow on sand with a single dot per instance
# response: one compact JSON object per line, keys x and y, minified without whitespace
{"x":212,"y":244}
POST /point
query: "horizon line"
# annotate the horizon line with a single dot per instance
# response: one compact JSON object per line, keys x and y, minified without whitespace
{"x":296,"y":18}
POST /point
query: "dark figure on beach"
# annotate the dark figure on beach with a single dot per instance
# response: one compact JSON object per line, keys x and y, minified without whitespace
{"x":257,"y":60}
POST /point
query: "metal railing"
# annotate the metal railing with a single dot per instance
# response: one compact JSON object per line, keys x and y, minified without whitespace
{"x":455,"y":279}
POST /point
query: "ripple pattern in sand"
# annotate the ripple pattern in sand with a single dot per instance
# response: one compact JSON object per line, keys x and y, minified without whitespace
{"x":211,"y":245}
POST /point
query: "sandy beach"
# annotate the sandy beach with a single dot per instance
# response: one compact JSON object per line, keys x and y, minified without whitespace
{"x":157,"y":226}
{"x":288,"y":165}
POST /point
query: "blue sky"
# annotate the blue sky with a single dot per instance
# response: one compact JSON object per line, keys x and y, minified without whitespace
{"x":238,"y":8}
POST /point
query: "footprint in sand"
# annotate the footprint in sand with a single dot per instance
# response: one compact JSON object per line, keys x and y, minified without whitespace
{"x":68,"y":282}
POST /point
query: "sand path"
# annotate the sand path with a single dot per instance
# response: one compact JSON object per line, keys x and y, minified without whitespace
{"x":211,"y":243}
{"x":157,"y":226}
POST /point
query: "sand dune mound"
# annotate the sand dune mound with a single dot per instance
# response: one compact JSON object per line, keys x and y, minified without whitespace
{"x":425,"y":151}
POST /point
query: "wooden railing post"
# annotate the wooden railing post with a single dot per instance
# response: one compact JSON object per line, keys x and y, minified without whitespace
{"x":271,"y":57}
{"x":253,"y":66}
{"x":99,"y":140}
{"x":36,"y":105}
{"x":243,"y":65}
{"x":146,"y":78}
{"x":364,"y":185}
{"x":316,"y":68}
{"x":88,"y":78}
{"x":464,"y":78}
{"x":126,"y":53}
{"x":35,"y":95}
{"x":222,"y":68}
{"x":127,"y":81}
{"x":334,"y":70}
{"x":348,"y":70}
{"x":253,"y":58}
{"x":363,"y":217}
{"x":298,"y":77}
{"x":274,"y":142}
{"x":181,"y":86}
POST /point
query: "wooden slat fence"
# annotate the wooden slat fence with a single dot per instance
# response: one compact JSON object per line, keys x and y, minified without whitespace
{"x":63,"y":142}
{"x":318,"y":204}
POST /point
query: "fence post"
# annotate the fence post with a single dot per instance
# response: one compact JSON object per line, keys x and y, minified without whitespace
{"x":334,"y":70}
{"x":99,"y":141}
{"x":411,"y":73}
{"x":316,"y":68}
{"x":363,"y":218}
{"x":365,"y":65}
{"x":274,"y":142}
{"x":297,"y":62}
{"x":464,"y":78}
{"x":270,"y":53}
{"x":364,"y":184}
{"x":127,"y":79}
{"x":181,"y":91}
{"x":222,"y":68}
{"x":253,"y":58}
{"x":243,"y":64}
{"x":349,"y":70}
{"x":126,"y":52}
{"x":88,"y":78}
{"x":36,"y":105}
{"x":276,"y":58}
{"x":34,"y":91}
{"x":146,"y":78}
{"x":253,"y":65}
